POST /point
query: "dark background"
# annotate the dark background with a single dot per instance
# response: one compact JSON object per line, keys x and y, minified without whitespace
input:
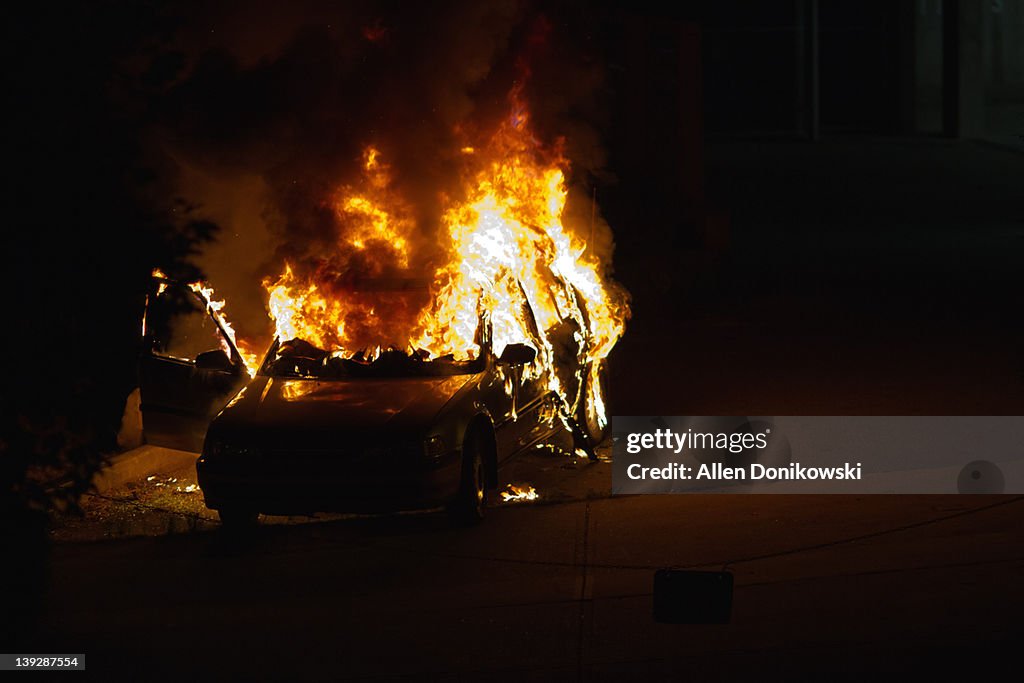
{"x":817,"y":209}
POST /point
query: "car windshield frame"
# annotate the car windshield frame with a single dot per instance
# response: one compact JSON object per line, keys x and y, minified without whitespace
{"x":305,"y":361}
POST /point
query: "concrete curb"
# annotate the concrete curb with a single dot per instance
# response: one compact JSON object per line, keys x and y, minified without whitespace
{"x":139,"y":463}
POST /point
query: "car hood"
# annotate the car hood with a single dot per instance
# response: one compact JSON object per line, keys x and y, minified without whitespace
{"x":274,"y":408}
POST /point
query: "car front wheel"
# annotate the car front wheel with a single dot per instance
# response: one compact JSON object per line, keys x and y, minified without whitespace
{"x":470,"y":502}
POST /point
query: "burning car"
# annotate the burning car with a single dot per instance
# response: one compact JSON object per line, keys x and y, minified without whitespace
{"x":407,"y":363}
{"x":315,"y":431}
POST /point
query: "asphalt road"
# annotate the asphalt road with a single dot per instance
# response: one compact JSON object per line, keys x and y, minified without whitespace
{"x":148,"y":586}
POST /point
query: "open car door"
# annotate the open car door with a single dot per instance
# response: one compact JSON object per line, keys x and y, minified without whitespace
{"x":189,"y":367}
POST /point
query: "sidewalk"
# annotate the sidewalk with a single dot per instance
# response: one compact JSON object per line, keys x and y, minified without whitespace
{"x":138,"y":463}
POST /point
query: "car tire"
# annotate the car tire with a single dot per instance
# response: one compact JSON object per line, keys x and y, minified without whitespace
{"x":235,"y":520}
{"x":585,"y":415}
{"x":470,"y":504}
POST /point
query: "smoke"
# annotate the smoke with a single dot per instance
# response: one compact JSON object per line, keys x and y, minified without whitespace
{"x":274,"y":106}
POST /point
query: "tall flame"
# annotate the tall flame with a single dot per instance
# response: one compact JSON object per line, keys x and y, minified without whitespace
{"x":508,"y":253}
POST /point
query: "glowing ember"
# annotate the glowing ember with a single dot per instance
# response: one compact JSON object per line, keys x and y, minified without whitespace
{"x":514,"y":493}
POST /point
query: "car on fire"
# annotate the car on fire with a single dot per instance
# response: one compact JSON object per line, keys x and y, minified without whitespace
{"x":314,"y":432}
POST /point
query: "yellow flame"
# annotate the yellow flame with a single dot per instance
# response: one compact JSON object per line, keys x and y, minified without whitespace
{"x":514,"y":493}
{"x":507,"y":254}
{"x":216,"y":309}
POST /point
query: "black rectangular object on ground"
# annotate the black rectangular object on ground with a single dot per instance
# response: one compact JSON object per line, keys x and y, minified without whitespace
{"x":692,"y":597}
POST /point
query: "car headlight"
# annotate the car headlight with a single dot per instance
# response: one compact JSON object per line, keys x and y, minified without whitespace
{"x":225,"y":450}
{"x":434,"y":448}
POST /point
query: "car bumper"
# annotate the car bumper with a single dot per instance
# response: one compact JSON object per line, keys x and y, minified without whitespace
{"x":283,"y":488}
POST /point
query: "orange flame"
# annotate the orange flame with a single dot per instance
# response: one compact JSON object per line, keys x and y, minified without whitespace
{"x":513,"y":493}
{"x":215,"y":307}
{"x":508,"y":254}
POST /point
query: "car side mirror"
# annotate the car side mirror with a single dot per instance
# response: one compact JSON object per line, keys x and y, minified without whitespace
{"x":517,"y":354}
{"x":214,"y":360}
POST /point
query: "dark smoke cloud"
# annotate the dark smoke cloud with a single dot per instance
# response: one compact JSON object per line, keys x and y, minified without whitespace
{"x":272,"y":107}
